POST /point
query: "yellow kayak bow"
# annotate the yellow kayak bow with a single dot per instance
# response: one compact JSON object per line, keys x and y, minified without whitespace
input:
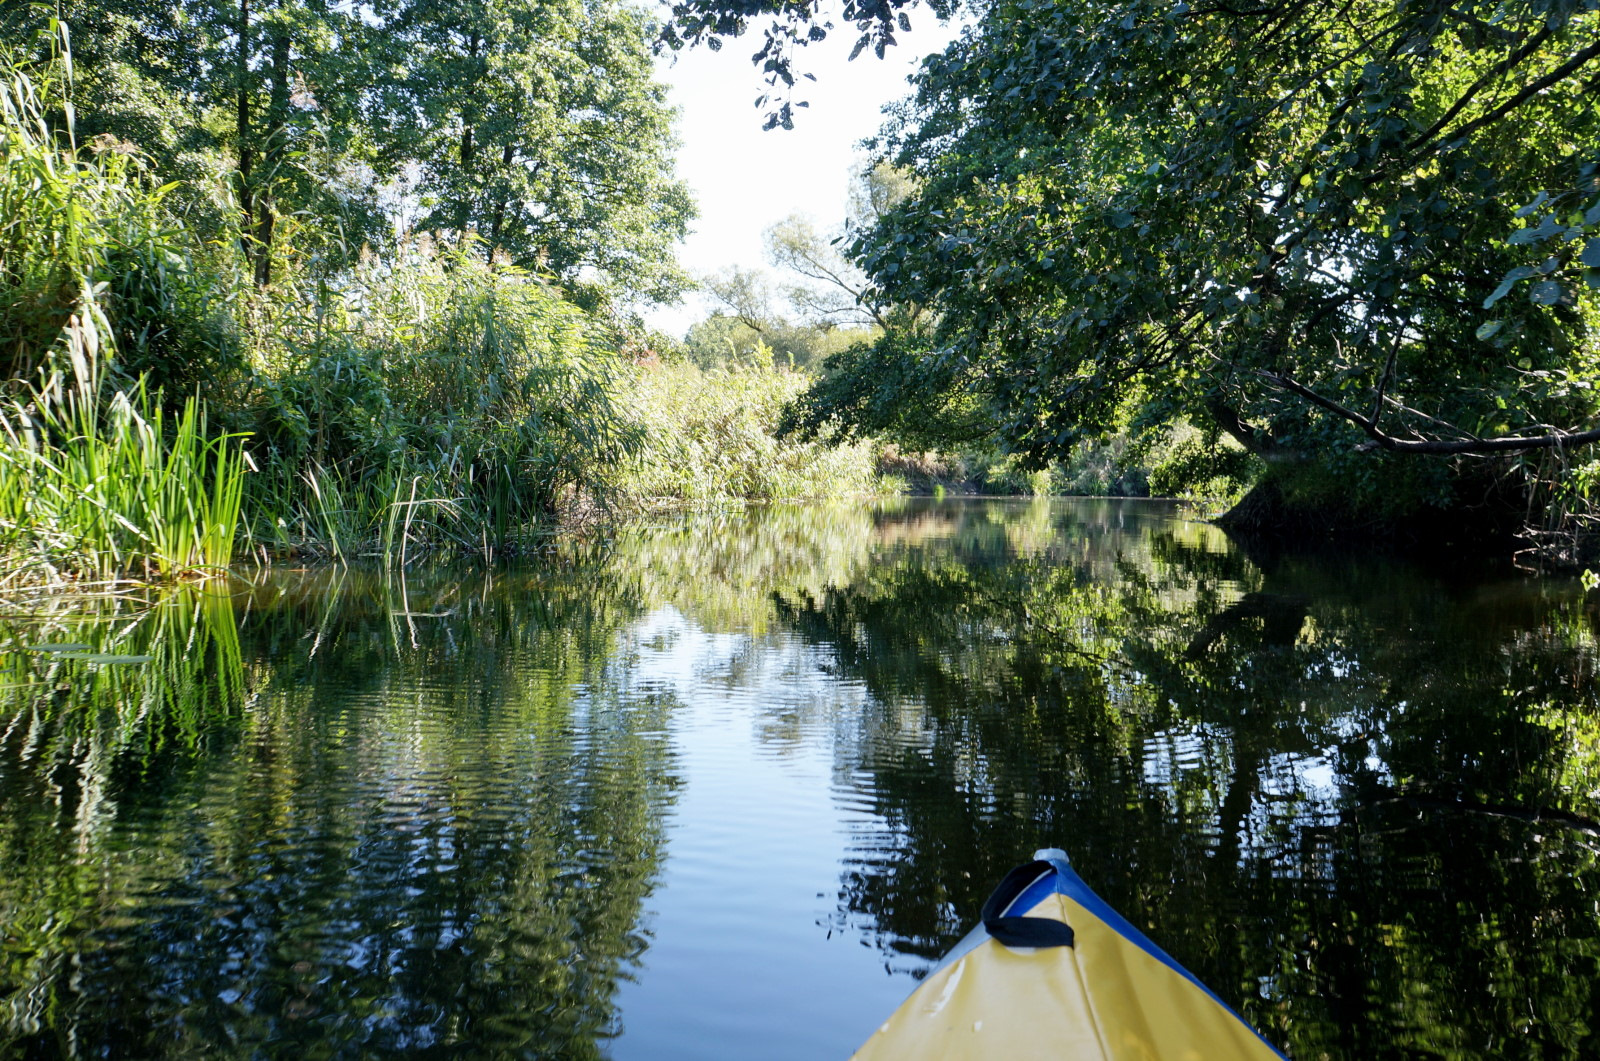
{"x":1053,"y":972}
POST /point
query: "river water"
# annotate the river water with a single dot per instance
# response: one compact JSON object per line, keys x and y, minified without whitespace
{"x":726,"y":786}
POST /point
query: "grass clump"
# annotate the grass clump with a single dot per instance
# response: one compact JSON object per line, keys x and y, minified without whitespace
{"x":96,"y":482}
{"x":433,"y":400}
{"x":710,"y":436}
{"x":96,"y":477}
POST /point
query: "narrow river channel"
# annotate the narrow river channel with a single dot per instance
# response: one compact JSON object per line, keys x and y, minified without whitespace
{"x":724,"y":787}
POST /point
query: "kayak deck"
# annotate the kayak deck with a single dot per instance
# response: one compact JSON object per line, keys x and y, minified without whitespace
{"x":1108,"y":995}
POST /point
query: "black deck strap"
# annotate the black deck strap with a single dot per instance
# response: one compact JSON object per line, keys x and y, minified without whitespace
{"x":1023,"y":931}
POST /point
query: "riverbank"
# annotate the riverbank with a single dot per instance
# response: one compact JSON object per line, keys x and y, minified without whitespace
{"x":164,"y":411}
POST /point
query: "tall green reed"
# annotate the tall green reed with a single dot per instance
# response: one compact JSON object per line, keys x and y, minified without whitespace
{"x":432,"y":399}
{"x":105,"y":484}
{"x":97,"y":478}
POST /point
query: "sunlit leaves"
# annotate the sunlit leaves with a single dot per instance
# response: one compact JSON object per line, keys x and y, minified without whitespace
{"x":539,"y":127}
{"x":1120,"y":196}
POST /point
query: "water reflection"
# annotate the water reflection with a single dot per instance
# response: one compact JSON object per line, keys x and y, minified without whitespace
{"x":422,"y":823}
{"x":1358,"y":800}
{"x":647,"y":797}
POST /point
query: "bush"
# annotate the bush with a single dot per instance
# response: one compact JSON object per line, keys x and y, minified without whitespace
{"x":1187,"y":463}
{"x":101,"y":302}
{"x":469,"y":385}
{"x":87,"y":246}
{"x":710,"y":436}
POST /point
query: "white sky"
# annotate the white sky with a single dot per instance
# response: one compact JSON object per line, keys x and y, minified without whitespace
{"x":745,"y":179}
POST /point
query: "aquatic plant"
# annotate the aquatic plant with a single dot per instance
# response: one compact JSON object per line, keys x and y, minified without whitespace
{"x":95,"y":287}
{"x":99,"y":485}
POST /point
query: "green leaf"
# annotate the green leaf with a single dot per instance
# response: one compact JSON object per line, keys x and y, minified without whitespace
{"x":1546,"y":293}
{"x":1489,"y":330}
{"x":1521,"y":272}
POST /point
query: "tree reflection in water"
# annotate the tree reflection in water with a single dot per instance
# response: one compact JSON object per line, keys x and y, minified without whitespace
{"x":1358,"y":800}
{"x":409,"y":823}
{"x":349,"y":814}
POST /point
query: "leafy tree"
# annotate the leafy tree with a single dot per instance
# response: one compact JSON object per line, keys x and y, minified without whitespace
{"x":537,"y":125}
{"x":749,"y":328}
{"x":1259,"y":220}
{"x":1345,"y":235}
{"x":831,"y":289}
{"x":268,"y":91}
{"x":828,"y":310}
{"x":534,"y":125}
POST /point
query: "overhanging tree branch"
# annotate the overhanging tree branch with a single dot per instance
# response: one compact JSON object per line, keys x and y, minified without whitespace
{"x":1383,"y":440}
{"x":1560,"y":73}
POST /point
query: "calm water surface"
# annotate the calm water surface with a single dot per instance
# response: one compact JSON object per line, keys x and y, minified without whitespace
{"x":725,"y":787}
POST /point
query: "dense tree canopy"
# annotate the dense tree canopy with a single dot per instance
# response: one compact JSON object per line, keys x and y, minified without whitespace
{"x":534,"y":125}
{"x":1287,"y":210}
{"x":1321,"y":228}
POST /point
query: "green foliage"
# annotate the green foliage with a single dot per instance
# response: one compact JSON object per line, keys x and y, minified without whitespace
{"x":894,"y":389}
{"x":97,"y":286}
{"x":433,"y":396}
{"x":539,"y":126}
{"x":1101,"y":468}
{"x":1319,"y":242}
{"x":302,"y":130}
{"x":95,"y":483}
{"x":439,"y":394}
{"x":89,"y":255}
{"x":709,"y":436}
{"x":1185,"y":462}
{"x":721,"y":339}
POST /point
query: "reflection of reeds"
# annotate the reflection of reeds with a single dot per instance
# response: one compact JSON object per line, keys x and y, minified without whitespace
{"x":68,"y":724}
{"x":191,"y":682}
{"x":396,"y":720}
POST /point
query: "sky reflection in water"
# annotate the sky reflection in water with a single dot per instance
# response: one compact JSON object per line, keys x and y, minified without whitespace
{"x":724,"y":787}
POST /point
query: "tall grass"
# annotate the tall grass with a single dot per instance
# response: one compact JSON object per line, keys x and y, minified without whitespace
{"x":95,"y":477}
{"x":711,"y":436}
{"x":105,"y":486}
{"x":433,"y":399}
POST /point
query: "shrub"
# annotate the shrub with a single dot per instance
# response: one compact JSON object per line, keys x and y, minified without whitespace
{"x":470,"y":385}
{"x":710,"y":436}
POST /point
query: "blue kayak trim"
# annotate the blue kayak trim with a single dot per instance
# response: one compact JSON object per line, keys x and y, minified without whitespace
{"x":1065,"y":881}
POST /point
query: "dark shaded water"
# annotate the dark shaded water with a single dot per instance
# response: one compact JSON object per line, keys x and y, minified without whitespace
{"x":724,"y":788}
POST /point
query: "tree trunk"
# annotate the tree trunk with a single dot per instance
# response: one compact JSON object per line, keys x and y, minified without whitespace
{"x":497,"y":224}
{"x":469,"y":152}
{"x":242,"y":133}
{"x":277,"y":130}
